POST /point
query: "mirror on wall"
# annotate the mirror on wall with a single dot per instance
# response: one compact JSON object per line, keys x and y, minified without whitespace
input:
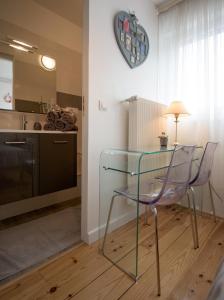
{"x":40,"y":57}
{"x":6,"y":82}
{"x":27,"y":78}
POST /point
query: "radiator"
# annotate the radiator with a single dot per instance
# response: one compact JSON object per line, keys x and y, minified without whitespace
{"x":146,"y":122}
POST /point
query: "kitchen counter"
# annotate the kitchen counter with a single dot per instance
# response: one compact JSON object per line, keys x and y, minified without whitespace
{"x":37,"y":131}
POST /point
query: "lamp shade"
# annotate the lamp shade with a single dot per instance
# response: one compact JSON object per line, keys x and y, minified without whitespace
{"x":176,"y":108}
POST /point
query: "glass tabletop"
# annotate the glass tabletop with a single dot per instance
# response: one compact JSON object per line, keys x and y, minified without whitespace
{"x":143,"y":150}
{"x":129,"y":161}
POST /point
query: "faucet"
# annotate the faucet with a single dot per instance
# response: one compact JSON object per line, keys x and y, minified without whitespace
{"x":24,"y":122}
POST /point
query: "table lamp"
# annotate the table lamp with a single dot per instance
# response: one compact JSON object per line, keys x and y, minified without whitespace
{"x":177,"y":109}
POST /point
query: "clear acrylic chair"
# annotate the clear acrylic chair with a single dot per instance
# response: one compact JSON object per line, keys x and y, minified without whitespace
{"x":170,"y":190}
{"x":203,"y":177}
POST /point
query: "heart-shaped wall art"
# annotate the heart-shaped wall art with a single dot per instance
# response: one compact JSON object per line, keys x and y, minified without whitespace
{"x":132,"y":38}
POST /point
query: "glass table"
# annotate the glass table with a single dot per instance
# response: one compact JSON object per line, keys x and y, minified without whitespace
{"x":126,"y":231}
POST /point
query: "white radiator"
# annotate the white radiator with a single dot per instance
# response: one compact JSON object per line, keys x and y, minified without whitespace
{"x":146,"y":122}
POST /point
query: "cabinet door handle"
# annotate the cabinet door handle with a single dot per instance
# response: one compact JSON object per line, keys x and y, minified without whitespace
{"x":15,"y":143}
{"x":60,"y":142}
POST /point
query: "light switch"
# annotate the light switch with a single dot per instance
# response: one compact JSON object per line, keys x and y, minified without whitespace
{"x":101,"y":106}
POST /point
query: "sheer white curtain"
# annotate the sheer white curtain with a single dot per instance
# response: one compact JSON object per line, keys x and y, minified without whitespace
{"x":191,"y":69}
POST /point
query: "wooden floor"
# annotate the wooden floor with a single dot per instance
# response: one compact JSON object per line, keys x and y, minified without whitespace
{"x":84,"y":274}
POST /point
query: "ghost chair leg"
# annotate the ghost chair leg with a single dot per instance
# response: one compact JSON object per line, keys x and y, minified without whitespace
{"x":108,"y":221}
{"x":195,"y":217}
{"x":212,"y":201}
{"x":191,"y":218}
{"x":146,"y":215}
{"x":154,"y":211}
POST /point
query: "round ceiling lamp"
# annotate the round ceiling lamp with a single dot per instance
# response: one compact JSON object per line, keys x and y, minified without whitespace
{"x":48,"y":63}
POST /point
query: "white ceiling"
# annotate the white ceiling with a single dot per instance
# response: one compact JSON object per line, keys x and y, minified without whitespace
{"x":158,"y":2}
{"x":71,"y":10}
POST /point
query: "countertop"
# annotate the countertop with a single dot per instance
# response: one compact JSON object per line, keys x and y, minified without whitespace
{"x":36,"y":131}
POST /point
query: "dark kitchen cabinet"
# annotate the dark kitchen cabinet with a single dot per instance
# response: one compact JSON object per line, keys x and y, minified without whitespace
{"x":33,"y":164}
{"x":58,"y":162}
{"x":18,"y":166}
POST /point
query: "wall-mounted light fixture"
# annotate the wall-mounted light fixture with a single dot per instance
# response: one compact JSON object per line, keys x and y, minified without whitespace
{"x":48,"y":63}
{"x":18,"y":47}
{"x":18,"y":44}
{"x":23,"y":44}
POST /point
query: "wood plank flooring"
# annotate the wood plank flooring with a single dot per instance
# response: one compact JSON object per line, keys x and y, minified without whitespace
{"x":83,"y":273}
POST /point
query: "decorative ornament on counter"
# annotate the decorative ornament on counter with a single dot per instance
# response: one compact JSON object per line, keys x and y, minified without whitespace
{"x":163,"y":140}
{"x":37,"y":126}
{"x":132,"y":38}
{"x":8,"y":98}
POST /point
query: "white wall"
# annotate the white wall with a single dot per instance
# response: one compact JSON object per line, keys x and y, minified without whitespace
{"x":111,"y":80}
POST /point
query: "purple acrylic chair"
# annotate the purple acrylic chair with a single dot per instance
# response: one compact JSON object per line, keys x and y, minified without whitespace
{"x":203,"y":177}
{"x":169,"y":190}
